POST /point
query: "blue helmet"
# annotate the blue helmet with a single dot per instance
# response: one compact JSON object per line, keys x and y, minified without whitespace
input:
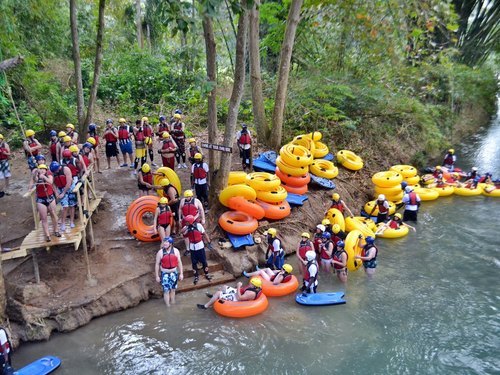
{"x":162,"y":118}
{"x":109,"y":121}
{"x":340,"y":244}
{"x":54,"y":166}
{"x":92,"y":127}
{"x":39,"y":157}
{"x":168,"y":239}
{"x":178,"y":112}
{"x":53,"y":133}
{"x":87,"y":144}
{"x":326,"y":235}
{"x":404,"y":184}
{"x":370,"y":240}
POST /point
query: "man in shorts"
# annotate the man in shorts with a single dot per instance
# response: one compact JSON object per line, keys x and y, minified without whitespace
{"x":111,"y":137}
{"x":168,"y":261}
{"x":4,"y":165}
{"x":124,"y":140}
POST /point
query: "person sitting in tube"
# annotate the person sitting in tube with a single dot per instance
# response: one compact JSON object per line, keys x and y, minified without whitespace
{"x":275,"y":276}
{"x":248,"y":293}
{"x":394,"y":223}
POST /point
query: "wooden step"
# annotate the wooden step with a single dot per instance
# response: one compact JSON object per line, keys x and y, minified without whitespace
{"x":212,"y":267}
{"x":219,"y":277}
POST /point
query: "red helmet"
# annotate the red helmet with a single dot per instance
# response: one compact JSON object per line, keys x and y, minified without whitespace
{"x":189,"y":219}
{"x":66,"y":153}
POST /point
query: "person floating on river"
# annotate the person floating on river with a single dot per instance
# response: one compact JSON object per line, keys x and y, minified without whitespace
{"x":145,"y":180}
{"x":438,"y":171}
{"x":275,"y":254}
{"x":310,"y":281}
{"x":449,"y":160}
{"x":249,"y":293}
{"x":368,"y":255}
{"x":31,"y":148}
{"x":200,"y":179}
{"x":4,"y":166}
{"x":340,"y":205}
{"x":326,"y":249}
{"x":303,"y":247}
{"x":195,"y":234}
{"x":383,"y":209}
{"x":412,"y":203}
{"x":163,"y":218}
{"x":472,"y":179}
{"x":244,"y":142}
{"x":339,"y":261}
{"x":282,"y":275}
{"x":168,"y":269}
{"x":394,"y":223}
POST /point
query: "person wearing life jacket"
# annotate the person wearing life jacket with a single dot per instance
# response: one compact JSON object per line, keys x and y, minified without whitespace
{"x":148,"y":139}
{"x":244,"y":141}
{"x":472,"y":179}
{"x":53,"y":145}
{"x":310,"y":281}
{"x":277,"y":277}
{"x":145,"y":180}
{"x":327,"y":224}
{"x":248,"y":293}
{"x":368,"y":255}
{"x":163,"y":218}
{"x":70,"y":132}
{"x":339,"y":261}
{"x":94,"y":139}
{"x":177,"y":130}
{"x":87,"y":156}
{"x":140,"y":143}
{"x":340,"y":205}
{"x":5,"y":353}
{"x":449,"y":160}
{"x":275,"y":254}
{"x":60,"y":144}
{"x":111,"y":148}
{"x":167,"y":150}
{"x":193,"y":150}
{"x":163,"y":126}
{"x":31,"y":148}
{"x":65,"y":145}
{"x":170,"y":192}
{"x":118,"y":136}
{"x":200,"y":178}
{"x":64,"y":185}
{"x":303,"y":247}
{"x":338,"y":232}
{"x":39,"y":159}
{"x":411,"y":201}
{"x":189,"y":205}
{"x":394,"y":223}
{"x":196,"y":233}
{"x":437,"y":171}
{"x":80,"y":163}
{"x":383,"y":209}
{"x":317,"y":238}
{"x":42,"y":181}
{"x":326,"y":249}
{"x":4,"y":166}
{"x":168,"y":269}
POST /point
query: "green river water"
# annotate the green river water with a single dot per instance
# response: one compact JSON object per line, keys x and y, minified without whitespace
{"x":432,"y":308}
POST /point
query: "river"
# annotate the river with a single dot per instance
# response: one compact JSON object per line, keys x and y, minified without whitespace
{"x":432,"y":308}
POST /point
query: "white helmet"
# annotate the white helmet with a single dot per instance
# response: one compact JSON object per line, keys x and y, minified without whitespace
{"x":408,"y":189}
{"x":321,"y":227}
{"x":310,"y":255}
{"x":381,"y":197}
{"x":474,"y":169}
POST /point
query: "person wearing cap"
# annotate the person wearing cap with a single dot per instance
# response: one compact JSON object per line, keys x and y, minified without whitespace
{"x":310,"y":278}
{"x":163,"y":218}
{"x":168,"y":269}
{"x":145,"y":180}
{"x":193,"y":150}
{"x":200,"y":179}
{"x":248,"y":293}
{"x":196,"y":234}
{"x":394,"y":223}
{"x":449,"y":160}
{"x":167,"y":150}
{"x":70,"y":131}
{"x":93,"y":138}
{"x":111,"y":138}
{"x":411,"y":201}
{"x":368,"y":255}
{"x":383,"y":209}
{"x":42,"y":181}
{"x":31,"y":148}
{"x":54,"y":140}
{"x":275,"y":254}
{"x":303,"y":247}
{"x":340,"y":205}
{"x":177,"y":130}
{"x":277,"y":277}
{"x":244,"y":142}
{"x":4,"y":166}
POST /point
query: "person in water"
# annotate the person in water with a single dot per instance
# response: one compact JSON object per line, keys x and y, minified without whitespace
{"x":339,"y":261}
{"x":368,"y":255}
{"x":275,"y":276}
{"x":310,"y":281}
{"x":303,"y":247}
{"x":249,"y":293}
{"x":449,"y":160}
{"x":168,"y":269}
{"x":383,"y":209}
{"x":394,"y":223}
{"x":412,"y":203}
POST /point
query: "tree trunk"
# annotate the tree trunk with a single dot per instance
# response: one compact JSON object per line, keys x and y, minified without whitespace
{"x":77,"y":63}
{"x":259,"y":114}
{"x":234,"y":101}
{"x":138,"y":22}
{"x":3,"y":293}
{"x":148,"y":36}
{"x":283,"y":73}
{"x":211,"y":54}
{"x":97,"y":64}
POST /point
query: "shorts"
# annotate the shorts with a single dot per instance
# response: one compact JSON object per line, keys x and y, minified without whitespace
{"x":229,"y":294}
{"x":4,"y":169}
{"x":370,"y":264}
{"x":175,"y":210}
{"x":111,"y":149}
{"x":69,"y":199}
{"x":198,"y":256}
{"x":46,"y":201}
{"x":143,"y":187}
{"x":382,"y":218}
{"x":169,"y":280}
{"x":410,"y":215}
{"x":164,"y":226}
{"x":126,"y":147}
{"x":245,"y":156}
{"x":140,"y":153}
{"x":341,"y":271}
{"x":326,"y":261}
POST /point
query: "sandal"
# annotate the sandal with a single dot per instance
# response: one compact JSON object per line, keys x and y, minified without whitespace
{"x":57,"y":234}
{"x":196,"y":279}
{"x":208,"y":277}
{"x":48,"y":239}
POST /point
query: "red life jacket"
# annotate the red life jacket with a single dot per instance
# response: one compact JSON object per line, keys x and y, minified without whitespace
{"x":32,"y":144}
{"x":189,"y":208}
{"x":123,"y":133}
{"x":60,"y":178}
{"x":252,"y":288}
{"x":364,"y":252}
{"x":167,"y":144}
{"x":304,"y":246}
{"x":86,"y":159}
{"x":448,"y":159}
{"x":177,"y":130}
{"x":110,"y":137}
{"x":169,"y":260}
{"x":245,"y":138}
{"x":147,"y":177}
{"x":148,"y":131}
{"x":317,"y":242}
{"x":139,"y":135}
{"x":2,"y":150}
{"x":193,"y":234}
{"x":337,"y":257}
{"x":193,"y":151}
{"x":53,"y":147}
{"x":393,"y":224}
{"x":307,"y":276}
{"x":72,"y":165}
{"x":165,"y":215}
{"x":162,"y":128}
{"x":270,"y":246}
{"x":44,"y":189}
{"x":381,"y":208}
{"x":338,"y":205}
{"x":413,"y":198}
{"x":199,"y":172}
{"x":324,"y":254}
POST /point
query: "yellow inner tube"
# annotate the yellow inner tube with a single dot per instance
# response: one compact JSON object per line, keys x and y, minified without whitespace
{"x":427,"y":179}
{"x":404,"y":170}
{"x":295,"y":155}
{"x":392,"y":197}
{"x":393,"y":190}
{"x":426,"y":194}
{"x":288,"y":169}
{"x":349,"y":160}
{"x":336,"y":217}
{"x":387,"y":179}
{"x":466,"y":192}
{"x":304,"y":141}
{"x":369,"y":206}
{"x":324,"y":168}
{"x":320,"y":150}
{"x":244,"y":191}
{"x":171,"y":175}
{"x":444,"y":191}
{"x":262,"y":181}
{"x":315,"y":136}
{"x":274,"y":196}
{"x":369,"y":222}
{"x":412,"y":180}
{"x":351,"y":248}
{"x":236,"y":177}
{"x":351,"y":223}
{"x":393,"y":233}
{"x":492,"y":193}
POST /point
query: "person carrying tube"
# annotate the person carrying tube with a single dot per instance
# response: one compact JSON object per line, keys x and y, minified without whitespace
{"x":244,"y":141}
{"x":275,"y":254}
{"x":31,"y":148}
{"x":195,"y":232}
{"x":310,"y":280}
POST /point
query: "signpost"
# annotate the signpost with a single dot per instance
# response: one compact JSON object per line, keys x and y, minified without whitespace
{"x":211,"y":146}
